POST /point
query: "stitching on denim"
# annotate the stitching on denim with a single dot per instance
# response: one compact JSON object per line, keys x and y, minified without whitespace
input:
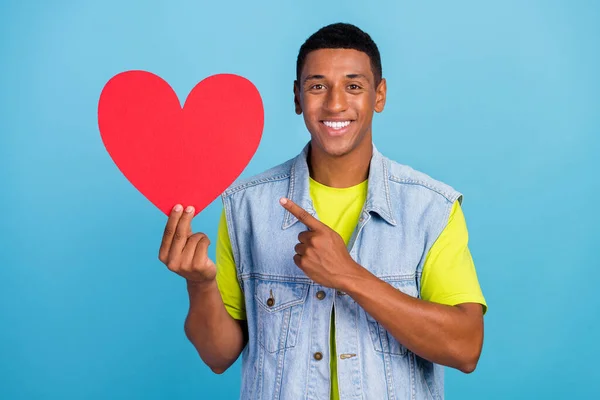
{"x":256,"y":182}
{"x":288,"y":215}
{"x":381,"y":213}
{"x":387,"y":192}
{"x":308,"y":387}
{"x":234,"y":245}
{"x":392,"y":378}
{"x":418,"y":276}
{"x":429,"y":388}
{"x":261,"y":362}
{"x":447,"y":217}
{"x":421,"y":263}
{"x":281,"y":355}
{"x":277,"y":278}
{"x":445,"y":194}
{"x":397,"y":278}
{"x":412,"y":372}
{"x":387,"y":362}
{"x":440,"y":231}
{"x":360,"y":370}
{"x":284,"y":306}
{"x":383,"y":332}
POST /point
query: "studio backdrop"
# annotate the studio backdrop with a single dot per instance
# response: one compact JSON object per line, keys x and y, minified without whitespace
{"x":501,"y":100}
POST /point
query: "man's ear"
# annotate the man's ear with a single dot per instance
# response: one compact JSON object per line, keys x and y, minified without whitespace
{"x":297,"y":98}
{"x":380,"y":95}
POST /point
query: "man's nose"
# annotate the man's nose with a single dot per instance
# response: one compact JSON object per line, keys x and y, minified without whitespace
{"x":336,"y":100}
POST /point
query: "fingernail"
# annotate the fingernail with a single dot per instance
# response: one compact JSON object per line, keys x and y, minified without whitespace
{"x":189,"y":209}
{"x":283,"y":200}
{"x":178,"y":208}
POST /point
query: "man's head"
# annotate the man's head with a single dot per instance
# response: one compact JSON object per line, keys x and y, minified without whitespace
{"x":339,"y":85}
{"x":341,"y":36}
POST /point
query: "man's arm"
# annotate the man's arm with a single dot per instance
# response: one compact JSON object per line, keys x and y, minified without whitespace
{"x":218,"y":338}
{"x":443,"y":334}
{"x":447,"y":335}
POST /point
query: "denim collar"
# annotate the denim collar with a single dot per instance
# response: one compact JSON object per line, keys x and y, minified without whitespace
{"x":378,"y":192}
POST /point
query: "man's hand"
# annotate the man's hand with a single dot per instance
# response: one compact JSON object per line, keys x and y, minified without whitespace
{"x":321,"y":253}
{"x":183,"y":252}
{"x":447,"y":335}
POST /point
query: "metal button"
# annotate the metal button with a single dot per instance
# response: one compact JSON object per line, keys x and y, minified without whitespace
{"x":340,"y":293}
{"x":318,"y":356}
{"x":320,"y":295}
{"x":271,"y":300}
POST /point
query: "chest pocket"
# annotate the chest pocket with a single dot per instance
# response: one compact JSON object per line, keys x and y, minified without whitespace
{"x":279,"y":312}
{"x":383,"y":341}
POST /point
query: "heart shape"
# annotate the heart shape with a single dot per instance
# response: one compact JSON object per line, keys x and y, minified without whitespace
{"x":180,"y":155}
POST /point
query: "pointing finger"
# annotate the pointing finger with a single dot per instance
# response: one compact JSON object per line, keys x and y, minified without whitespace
{"x":303,"y":216}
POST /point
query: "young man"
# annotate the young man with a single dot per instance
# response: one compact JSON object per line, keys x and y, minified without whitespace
{"x":340,"y":274}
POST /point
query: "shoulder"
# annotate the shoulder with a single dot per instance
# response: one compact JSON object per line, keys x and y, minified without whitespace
{"x":404,"y":175}
{"x":277,"y":173}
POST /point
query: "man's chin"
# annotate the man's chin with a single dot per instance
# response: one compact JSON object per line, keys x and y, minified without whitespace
{"x":334,"y":147}
{"x":338,"y":150}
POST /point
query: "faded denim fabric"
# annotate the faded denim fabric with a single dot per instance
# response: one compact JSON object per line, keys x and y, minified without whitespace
{"x":288,"y":324}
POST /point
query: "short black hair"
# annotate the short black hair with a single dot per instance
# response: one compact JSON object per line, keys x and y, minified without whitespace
{"x":341,"y":36}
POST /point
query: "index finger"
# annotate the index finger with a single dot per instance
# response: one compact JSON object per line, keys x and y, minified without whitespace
{"x":303,"y":216}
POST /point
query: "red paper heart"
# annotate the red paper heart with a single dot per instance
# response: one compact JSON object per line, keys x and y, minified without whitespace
{"x":176,"y":155}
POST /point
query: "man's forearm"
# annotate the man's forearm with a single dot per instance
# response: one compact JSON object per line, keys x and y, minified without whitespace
{"x":218,"y":338}
{"x":447,"y":335}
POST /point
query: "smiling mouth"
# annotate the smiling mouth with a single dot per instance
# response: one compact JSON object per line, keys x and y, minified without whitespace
{"x":336,"y":125}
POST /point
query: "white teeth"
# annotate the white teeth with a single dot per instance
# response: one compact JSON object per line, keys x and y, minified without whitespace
{"x":336,"y":125}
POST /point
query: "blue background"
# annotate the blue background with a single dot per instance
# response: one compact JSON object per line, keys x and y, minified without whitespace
{"x":499,"y":100}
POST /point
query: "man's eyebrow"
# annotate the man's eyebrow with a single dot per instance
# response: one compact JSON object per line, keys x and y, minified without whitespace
{"x":314,"y":77}
{"x":357,"y":76}
{"x":349,"y":76}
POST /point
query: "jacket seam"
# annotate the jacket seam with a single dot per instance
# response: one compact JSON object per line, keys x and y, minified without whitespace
{"x":424,"y":184}
{"x":256,"y":182}
{"x":277,"y":278}
{"x":421,"y":263}
{"x":233,"y":240}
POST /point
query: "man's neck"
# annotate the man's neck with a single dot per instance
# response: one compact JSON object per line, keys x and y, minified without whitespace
{"x":341,"y":172}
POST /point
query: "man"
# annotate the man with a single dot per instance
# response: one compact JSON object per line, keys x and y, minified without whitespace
{"x":340,"y":274}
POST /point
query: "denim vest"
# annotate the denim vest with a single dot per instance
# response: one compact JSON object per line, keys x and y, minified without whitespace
{"x":287,"y":356}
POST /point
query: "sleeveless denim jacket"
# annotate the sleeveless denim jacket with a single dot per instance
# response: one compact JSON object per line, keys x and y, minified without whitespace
{"x":287,"y":356}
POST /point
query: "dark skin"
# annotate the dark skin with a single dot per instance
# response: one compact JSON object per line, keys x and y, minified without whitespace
{"x":447,"y":335}
{"x":336,"y":86}
{"x":218,"y":338}
{"x":339,"y":84}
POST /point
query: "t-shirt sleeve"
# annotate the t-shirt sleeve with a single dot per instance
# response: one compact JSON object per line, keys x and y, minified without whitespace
{"x":229,"y":287}
{"x":449,"y":275}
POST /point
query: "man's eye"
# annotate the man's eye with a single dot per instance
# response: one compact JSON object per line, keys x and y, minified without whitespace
{"x":353,"y":87}
{"x":318,"y":86}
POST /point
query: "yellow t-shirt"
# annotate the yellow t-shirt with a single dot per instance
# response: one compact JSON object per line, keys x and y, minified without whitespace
{"x":448,"y":276}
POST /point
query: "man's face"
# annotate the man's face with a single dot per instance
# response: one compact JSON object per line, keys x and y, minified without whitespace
{"x":337,"y":95}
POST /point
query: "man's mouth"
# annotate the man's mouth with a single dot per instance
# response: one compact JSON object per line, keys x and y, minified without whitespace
{"x":337,"y":125}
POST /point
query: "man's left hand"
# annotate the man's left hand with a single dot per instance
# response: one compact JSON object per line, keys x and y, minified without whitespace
{"x":321,"y":252}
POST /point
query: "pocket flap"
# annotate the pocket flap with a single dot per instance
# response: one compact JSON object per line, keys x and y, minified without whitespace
{"x":275,"y":296}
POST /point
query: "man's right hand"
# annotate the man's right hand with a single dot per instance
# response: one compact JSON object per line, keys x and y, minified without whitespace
{"x":183,"y":252}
